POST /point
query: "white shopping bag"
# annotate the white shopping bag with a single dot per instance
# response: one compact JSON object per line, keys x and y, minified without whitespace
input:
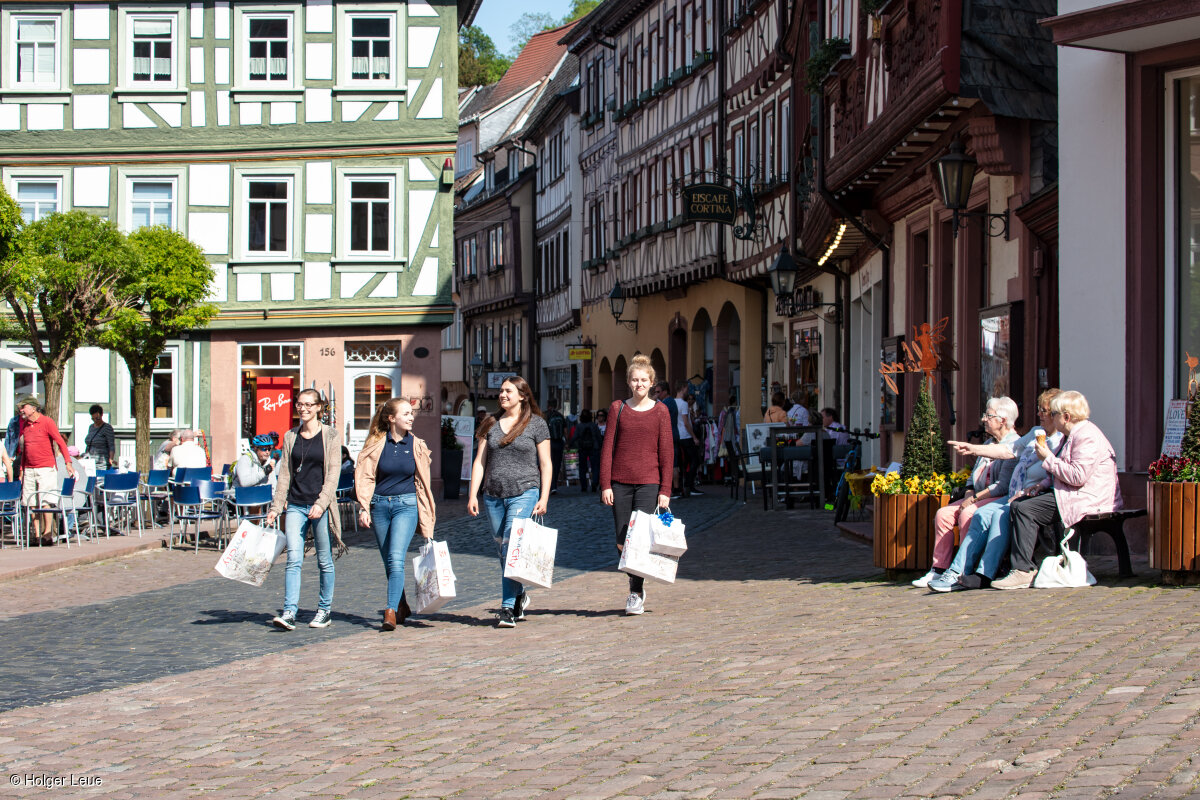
{"x":251,"y":552}
{"x":666,"y":535}
{"x":530,"y":557}
{"x":435,"y":577}
{"x":636,"y":558}
{"x":1068,"y":571}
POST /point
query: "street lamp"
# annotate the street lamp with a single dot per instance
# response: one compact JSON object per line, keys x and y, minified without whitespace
{"x":783,"y":272}
{"x":476,"y":365}
{"x":955,"y":175}
{"x":616,"y":304}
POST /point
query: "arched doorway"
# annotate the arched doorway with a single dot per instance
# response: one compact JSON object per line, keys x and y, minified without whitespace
{"x":620,"y":382}
{"x":677,"y":356}
{"x":702,"y":360}
{"x":727,"y":357}
{"x":660,"y":365}
{"x":604,"y":382}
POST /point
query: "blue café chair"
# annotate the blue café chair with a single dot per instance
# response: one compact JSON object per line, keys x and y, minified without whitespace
{"x":189,"y":504}
{"x":122,"y":502}
{"x":252,"y":502}
{"x":10,"y":511}
{"x":155,"y":488}
{"x":188,"y":475}
{"x":56,"y":504}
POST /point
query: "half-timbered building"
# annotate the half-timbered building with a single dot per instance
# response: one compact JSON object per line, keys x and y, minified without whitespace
{"x":495,"y":217}
{"x":300,"y":143}
{"x":651,"y":114}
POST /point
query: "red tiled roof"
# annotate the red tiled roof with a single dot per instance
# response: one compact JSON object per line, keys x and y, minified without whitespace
{"x":535,"y":61}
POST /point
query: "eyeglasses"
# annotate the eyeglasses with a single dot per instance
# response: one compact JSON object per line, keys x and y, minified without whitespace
{"x":1043,"y":411}
{"x":307,"y":405}
{"x":992,"y":416}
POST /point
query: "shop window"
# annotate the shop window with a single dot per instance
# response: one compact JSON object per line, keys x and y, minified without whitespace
{"x":270,"y":379}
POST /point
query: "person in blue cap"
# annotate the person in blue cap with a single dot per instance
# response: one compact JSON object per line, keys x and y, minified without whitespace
{"x":256,"y":467}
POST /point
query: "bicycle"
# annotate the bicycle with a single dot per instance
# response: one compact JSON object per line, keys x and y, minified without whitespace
{"x":841,"y":497}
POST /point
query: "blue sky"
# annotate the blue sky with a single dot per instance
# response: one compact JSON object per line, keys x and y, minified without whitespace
{"x":495,"y":17}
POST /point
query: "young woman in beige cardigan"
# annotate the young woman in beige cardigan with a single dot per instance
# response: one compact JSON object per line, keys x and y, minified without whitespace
{"x":391,"y":483}
{"x":305,"y":491}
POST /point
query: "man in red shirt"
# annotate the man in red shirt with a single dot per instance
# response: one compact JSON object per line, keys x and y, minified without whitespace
{"x":39,"y":471}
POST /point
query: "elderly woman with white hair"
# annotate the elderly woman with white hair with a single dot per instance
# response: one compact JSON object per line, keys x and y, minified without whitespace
{"x":1083,"y":471}
{"x":989,"y":482}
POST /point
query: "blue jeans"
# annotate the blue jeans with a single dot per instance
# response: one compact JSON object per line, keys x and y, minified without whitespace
{"x":501,"y":512}
{"x":295,"y":525}
{"x":394,"y":518}
{"x":985,"y":544}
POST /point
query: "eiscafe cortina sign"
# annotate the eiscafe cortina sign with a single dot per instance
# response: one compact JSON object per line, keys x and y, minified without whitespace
{"x":709,"y":202}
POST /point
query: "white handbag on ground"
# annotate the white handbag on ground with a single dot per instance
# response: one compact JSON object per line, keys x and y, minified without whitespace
{"x":530,"y":557}
{"x":434,"y":576}
{"x":1067,"y":571}
{"x":251,"y":552}
{"x":636,"y":558}
{"x":666,"y":534}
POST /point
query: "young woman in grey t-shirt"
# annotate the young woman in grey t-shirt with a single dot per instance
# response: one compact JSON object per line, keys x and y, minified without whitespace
{"x":513,"y":467}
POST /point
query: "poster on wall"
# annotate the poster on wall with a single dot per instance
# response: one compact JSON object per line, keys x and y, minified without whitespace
{"x":273,"y":405}
{"x":1177,"y":414}
{"x":464,"y":432}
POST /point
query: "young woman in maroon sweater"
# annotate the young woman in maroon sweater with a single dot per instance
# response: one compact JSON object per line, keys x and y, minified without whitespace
{"x":636,"y":461}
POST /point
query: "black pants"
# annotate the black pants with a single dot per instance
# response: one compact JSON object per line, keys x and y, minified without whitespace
{"x":627,"y":498}
{"x":556,"y":459}
{"x":690,"y":465}
{"x":589,"y":460}
{"x":1035,"y":521}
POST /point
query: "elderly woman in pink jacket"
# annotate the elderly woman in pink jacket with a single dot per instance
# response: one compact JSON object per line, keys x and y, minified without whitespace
{"x":1083,"y":469}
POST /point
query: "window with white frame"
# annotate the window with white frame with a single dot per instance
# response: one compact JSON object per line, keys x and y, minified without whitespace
{"x":753,"y":167}
{"x":489,"y":176}
{"x":163,"y":383}
{"x":504,"y":354}
{"x":739,"y":154}
{"x":370,"y":49}
{"x":768,"y":145}
{"x":785,"y":137}
{"x":368,"y":216}
{"x":152,"y":59}
{"x":36,"y":51}
{"x":268,"y":209}
{"x":478,"y":331}
{"x":469,"y":258}
{"x":464,"y":157}
{"x":491,"y":350}
{"x":152,"y":202}
{"x":268,"y":50}
{"x":38,"y":197}
{"x":496,"y":249}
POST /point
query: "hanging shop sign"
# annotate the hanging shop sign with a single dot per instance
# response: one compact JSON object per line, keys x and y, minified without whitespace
{"x":709,"y":202}
{"x":579,"y":353}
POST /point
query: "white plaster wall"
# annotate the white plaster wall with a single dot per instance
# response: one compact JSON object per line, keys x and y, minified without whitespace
{"x":1092,"y":230}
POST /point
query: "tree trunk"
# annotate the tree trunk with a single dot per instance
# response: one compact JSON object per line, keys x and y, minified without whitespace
{"x":53,"y":378}
{"x":141,"y":417}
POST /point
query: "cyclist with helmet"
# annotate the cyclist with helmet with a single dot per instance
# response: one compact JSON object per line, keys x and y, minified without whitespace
{"x":257,"y":467}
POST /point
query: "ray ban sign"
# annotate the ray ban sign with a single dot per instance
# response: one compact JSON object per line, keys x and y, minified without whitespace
{"x":709,"y":202}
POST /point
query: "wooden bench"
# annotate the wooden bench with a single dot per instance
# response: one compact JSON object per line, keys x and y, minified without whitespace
{"x":1112,"y":523}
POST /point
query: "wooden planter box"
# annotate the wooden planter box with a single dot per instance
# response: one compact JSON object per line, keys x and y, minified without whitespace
{"x":1174,"y":510}
{"x":904,"y":530}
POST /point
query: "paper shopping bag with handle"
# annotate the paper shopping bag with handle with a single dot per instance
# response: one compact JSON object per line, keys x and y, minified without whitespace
{"x":434,"y":576}
{"x":251,"y":552}
{"x":636,"y":557}
{"x":666,"y":534}
{"x":530,"y":557}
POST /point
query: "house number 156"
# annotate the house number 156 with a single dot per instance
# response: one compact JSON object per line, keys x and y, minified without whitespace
{"x":328,"y":351}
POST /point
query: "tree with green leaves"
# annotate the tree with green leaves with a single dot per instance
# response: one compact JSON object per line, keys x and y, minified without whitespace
{"x":64,"y":278}
{"x":10,"y":223}
{"x":924,"y":446}
{"x":169,"y":287}
{"x":1189,"y":447}
{"x":580,"y":8}
{"x":479,"y":63}
{"x":526,"y":26}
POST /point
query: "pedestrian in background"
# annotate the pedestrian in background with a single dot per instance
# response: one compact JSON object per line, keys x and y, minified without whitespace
{"x":162,"y":459}
{"x":39,"y":470}
{"x":556,"y":423}
{"x":513,"y":468}
{"x":689,"y":442}
{"x":636,"y":462}
{"x":305,"y":490}
{"x":188,"y":454}
{"x":101,"y":440}
{"x":256,"y":467}
{"x":391,"y":484}
{"x":587,"y":439}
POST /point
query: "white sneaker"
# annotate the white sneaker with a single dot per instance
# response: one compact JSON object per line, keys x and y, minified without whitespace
{"x":636,"y":604}
{"x":923,"y":581}
{"x":321,"y":620}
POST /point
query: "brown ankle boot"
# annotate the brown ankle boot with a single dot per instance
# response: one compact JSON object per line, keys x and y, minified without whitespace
{"x":389,"y":621}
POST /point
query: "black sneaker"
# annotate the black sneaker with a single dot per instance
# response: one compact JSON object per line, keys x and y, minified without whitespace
{"x":505,"y":619}
{"x":522,"y":604}
{"x":286,"y":621}
{"x":322,"y":619}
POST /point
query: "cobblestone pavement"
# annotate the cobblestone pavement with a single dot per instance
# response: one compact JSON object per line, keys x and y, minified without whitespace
{"x":779,"y":665}
{"x":183,"y":626}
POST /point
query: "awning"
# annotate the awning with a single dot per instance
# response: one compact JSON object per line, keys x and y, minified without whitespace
{"x":1130,"y":26}
{"x":11,"y":360}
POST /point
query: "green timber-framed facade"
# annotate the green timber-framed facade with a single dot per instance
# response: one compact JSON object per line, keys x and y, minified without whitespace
{"x":302,"y":145}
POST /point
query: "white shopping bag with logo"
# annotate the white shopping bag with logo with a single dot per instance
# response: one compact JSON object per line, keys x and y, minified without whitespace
{"x":530,"y":557}
{"x":435,"y":577}
{"x":251,"y":552}
{"x":636,"y":557}
{"x":666,"y":535}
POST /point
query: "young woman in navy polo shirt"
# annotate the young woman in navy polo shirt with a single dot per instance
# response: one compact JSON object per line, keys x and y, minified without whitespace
{"x":391,"y":483}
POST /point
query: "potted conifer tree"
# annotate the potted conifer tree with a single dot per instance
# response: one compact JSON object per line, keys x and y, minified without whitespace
{"x":906,"y":502}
